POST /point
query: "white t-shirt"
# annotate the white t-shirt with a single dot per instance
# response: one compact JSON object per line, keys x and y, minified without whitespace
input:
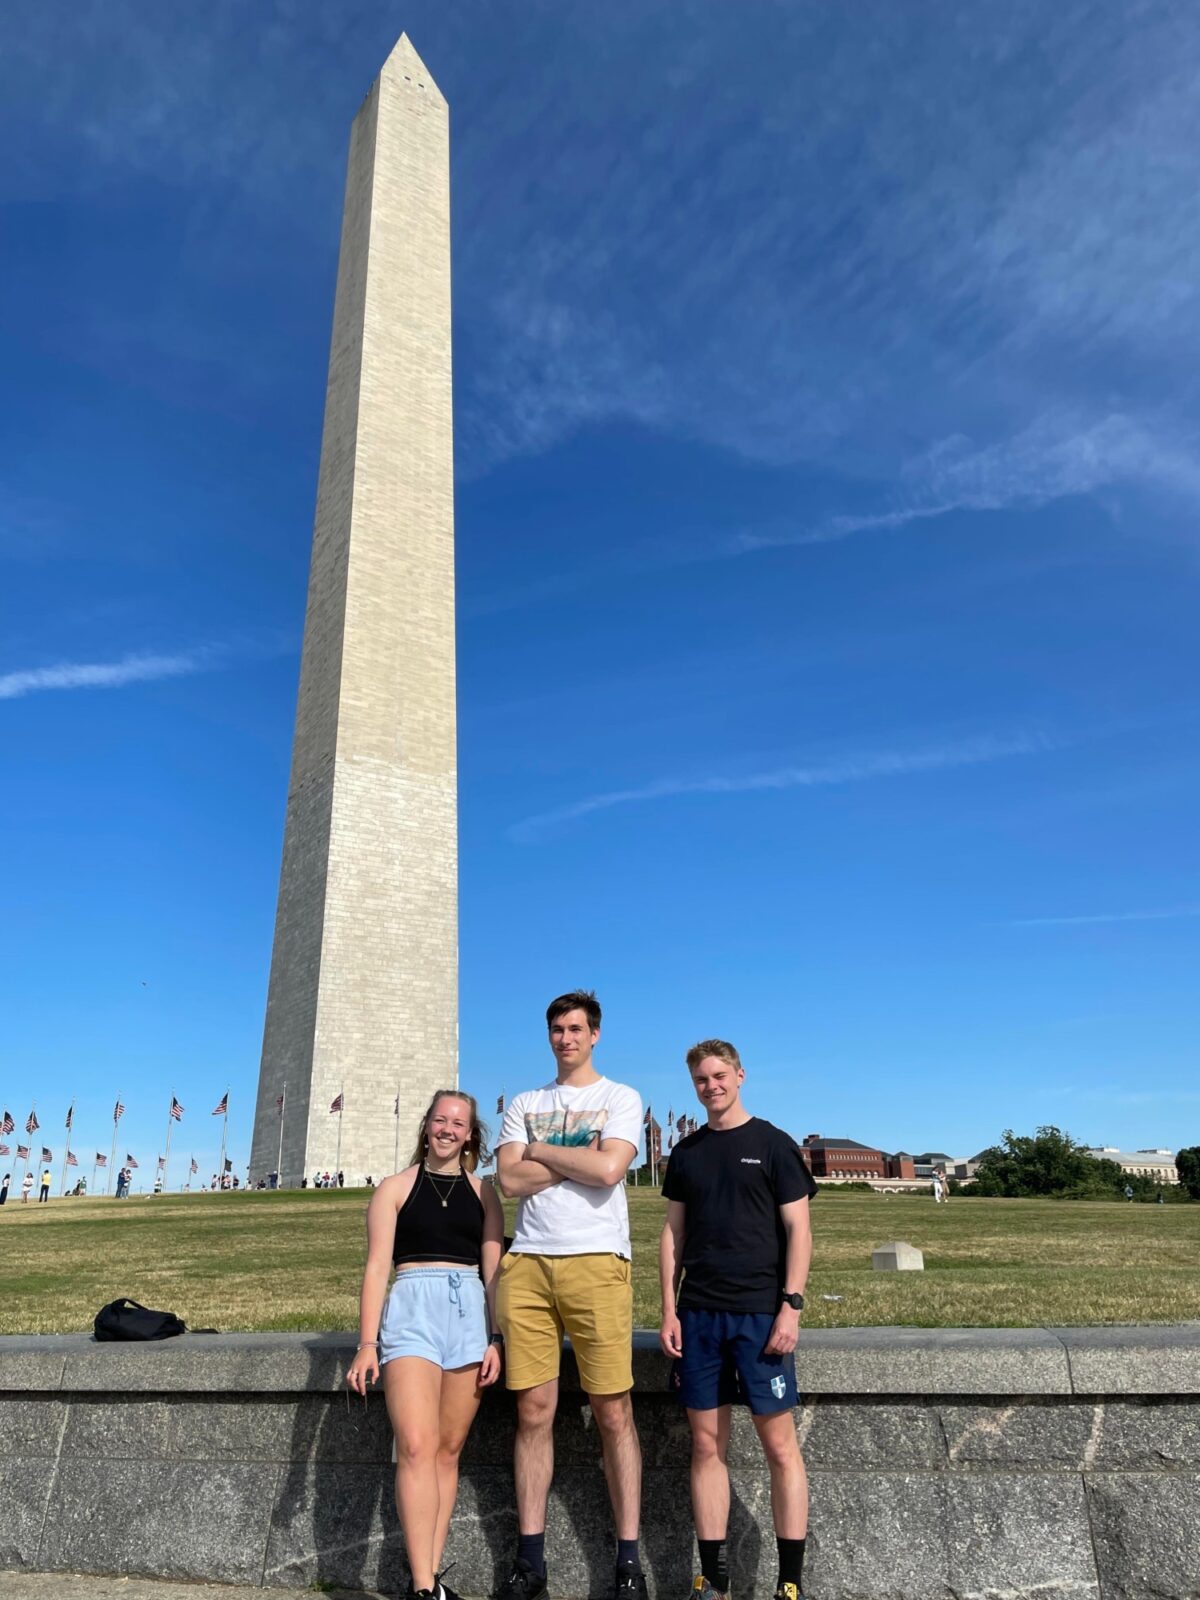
{"x":573,"y":1219}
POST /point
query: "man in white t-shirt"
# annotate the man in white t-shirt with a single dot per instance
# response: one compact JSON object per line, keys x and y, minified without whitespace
{"x":564,"y":1151}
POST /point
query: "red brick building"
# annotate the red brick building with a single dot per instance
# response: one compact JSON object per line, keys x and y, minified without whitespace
{"x":846,"y":1158}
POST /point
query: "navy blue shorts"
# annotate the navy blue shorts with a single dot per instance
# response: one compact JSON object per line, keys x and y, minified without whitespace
{"x":723,"y":1363}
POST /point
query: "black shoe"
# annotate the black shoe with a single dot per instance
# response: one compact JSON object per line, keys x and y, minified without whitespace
{"x":522,"y":1583}
{"x":629,"y":1584}
{"x":441,"y":1589}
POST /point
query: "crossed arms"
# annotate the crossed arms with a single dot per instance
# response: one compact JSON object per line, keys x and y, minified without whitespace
{"x":523,"y":1169}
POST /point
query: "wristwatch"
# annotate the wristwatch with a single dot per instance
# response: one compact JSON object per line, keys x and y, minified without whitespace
{"x":796,"y":1301}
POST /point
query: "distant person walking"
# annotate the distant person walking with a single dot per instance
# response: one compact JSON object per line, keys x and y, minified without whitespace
{"x":44,"y":1191}
{"x":442,"y":1228}
{"x":26,"y":1187}
{"x":4,"y":1189}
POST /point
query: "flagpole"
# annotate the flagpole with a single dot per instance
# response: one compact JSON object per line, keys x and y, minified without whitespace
{"x":112,"y":1155}
{"x":62,"y":1182}
{"x":29,"y":1146}
{"x":167,"y":1157}
{"x":92,"y":1185}
{"x":224,"y":1133}
{"x":279,"y":1157}
{"x":337,"y":1160}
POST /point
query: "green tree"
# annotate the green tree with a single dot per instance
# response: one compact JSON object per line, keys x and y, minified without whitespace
{"x":1047,"y":1163}
{"x":1188,"y":1163}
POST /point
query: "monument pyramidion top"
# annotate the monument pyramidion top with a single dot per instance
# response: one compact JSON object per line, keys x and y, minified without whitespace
{"x":405,"y":63}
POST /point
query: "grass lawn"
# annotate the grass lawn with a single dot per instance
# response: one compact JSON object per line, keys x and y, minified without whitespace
{"x":291,"y":1260}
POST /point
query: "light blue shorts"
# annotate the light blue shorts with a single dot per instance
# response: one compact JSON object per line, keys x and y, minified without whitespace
{"x":438,"y":1313}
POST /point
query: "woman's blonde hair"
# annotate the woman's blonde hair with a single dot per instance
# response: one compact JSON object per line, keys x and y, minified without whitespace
{"x":474,"y":1151}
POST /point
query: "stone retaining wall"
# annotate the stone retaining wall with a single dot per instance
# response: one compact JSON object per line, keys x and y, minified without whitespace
{"x":945,"y":1465}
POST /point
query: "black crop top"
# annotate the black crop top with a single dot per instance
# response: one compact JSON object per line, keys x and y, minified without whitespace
{"x":442,"y":1220}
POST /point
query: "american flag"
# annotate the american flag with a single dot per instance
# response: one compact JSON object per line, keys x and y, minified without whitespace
{"x":671,"y":1117}
{"x":7,"y":1125}
{"x":130,"y":1162}
{"x":336,"y":1106}
{"x":228,"y":1163}
{"x":221,"y":1109}
{"x":194,"y":1166}
{"x":162,"y":1161}
{"x":71,"y":1161}
{"x":118,"y":1113}
{"x":279,"y":1104}
{"x":31,"y":1123}
{"x":396,"y":1107}
{"x":47,"y":1155}
{"x":176,"y":1109}
{"x":3,"y":1149}
{"x":70,"y":1115}
{"x":499,"y":1105}
{"x":101,"y":1161}
{"x":22,"y":1152}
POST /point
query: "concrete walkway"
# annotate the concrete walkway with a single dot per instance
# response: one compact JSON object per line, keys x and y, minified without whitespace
{"x":66,"y":1586}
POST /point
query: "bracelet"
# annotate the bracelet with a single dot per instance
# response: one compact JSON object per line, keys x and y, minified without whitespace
{"x":369,"y":1344}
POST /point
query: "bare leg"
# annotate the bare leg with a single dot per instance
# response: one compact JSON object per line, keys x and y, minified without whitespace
{"x":413,"y":1389}
{"x":710,"y":1476}
{"x":460,"y":1402}
{"x":533,"y":1453}
{"x":789,"y":1483}
{"x":622,"y":1459}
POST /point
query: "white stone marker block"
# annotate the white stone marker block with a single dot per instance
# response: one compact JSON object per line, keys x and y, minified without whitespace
{"x":899,"y":1256}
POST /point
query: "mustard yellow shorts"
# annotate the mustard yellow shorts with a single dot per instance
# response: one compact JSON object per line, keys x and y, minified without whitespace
{"x":589,"y":1298}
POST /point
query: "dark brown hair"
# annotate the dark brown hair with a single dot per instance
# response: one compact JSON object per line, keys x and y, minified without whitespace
{"x":578,"y":1000}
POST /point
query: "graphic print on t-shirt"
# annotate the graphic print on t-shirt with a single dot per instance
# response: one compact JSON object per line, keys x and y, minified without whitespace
{"x":571,"y":1128}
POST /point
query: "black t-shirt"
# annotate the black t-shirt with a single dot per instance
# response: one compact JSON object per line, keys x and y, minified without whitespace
{"x":733,"y":1183}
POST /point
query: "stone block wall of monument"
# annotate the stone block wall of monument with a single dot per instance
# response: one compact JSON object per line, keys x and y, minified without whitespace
{"x":363,"y":997}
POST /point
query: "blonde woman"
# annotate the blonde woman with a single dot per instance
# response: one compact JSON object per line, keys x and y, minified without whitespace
{"x":442,"y":1229}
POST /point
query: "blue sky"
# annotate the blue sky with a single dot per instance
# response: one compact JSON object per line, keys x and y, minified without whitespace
{"x":827,"y":416}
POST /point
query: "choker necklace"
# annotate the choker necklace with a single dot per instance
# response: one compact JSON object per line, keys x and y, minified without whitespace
{"x":433,"y":1177}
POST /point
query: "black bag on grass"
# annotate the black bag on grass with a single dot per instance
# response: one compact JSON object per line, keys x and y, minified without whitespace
{"x":126,"y":1319}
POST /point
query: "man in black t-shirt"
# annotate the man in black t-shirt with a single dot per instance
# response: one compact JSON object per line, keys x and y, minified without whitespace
{"x":737,"y":1228}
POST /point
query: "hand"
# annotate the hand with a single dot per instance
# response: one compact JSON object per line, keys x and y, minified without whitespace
{"x":783,"y":1333}
{"x":530,"y":1152}
{"x":364,"y":1369}
{"x":489,"y":1367}
{"x":670,"y":1335}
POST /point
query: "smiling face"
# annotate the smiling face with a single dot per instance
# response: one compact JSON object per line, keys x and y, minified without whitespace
{"x":448,"y":1129}
{"x":717,"y":1084}
{"x":571,"y":1039}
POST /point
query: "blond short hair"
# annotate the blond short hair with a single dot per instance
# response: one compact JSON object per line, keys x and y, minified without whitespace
{"x":721,"y":1048}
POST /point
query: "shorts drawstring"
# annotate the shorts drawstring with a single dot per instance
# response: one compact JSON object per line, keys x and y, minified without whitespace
{"x":454,"y":1279}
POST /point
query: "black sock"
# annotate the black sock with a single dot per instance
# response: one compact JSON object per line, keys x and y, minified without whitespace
{"x":791,"y":1561}
{"x":627,"y":1555}
{"x":531,"y":1547}
{"x":714,"y":1563}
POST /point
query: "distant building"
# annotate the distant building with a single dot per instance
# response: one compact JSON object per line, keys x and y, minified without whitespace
{"x":842,"y":1158}
{"x":1156,"y":1164}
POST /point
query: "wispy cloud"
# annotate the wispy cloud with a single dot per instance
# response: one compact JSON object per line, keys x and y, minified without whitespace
{"x":107,"y":674}
{"x":1168,"y":914}
{"x":861,"y":768}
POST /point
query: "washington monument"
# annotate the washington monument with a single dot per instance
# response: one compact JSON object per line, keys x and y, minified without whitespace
{"x":362,"y":1008}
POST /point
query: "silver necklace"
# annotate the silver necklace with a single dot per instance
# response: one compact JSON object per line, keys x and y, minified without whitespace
{"x":444,"y":1198}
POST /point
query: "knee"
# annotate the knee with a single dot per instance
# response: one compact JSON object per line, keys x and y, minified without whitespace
{"x":416,"y":1446}
{"x":614,"y":1416}
{"x":449,"y":1451}
{"x":535,"y":1413}
{"x":782,"y":1452}
{"x":707,"y":1447}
